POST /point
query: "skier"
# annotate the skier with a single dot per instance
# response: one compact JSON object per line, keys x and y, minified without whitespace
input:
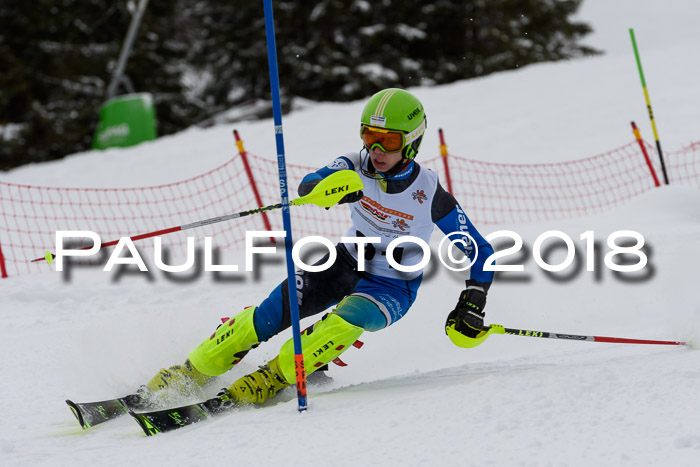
{"x":400,"y":198}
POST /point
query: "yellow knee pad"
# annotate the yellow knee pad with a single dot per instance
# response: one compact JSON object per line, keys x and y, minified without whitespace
{"x":227,"y":346}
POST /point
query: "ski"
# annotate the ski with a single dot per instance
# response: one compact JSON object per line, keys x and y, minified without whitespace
{"x":90,"y":414}
{"x":161,"y":421}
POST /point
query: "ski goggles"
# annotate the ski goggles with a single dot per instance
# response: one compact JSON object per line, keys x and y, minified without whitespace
{"x":387,"y":140}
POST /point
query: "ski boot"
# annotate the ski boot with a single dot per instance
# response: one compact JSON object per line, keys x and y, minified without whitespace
{"x":216,"y":355}
{"x":178,"y":378}
{"x":259,"y":386}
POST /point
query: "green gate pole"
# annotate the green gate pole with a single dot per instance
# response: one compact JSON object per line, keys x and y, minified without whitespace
{"x":651,"y":114}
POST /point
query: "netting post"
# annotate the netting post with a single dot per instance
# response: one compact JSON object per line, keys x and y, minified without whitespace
{"x":244,"y":156}
{"x":638,"y":136}
{"x":444,"y":154}
{"x":3,"y":269}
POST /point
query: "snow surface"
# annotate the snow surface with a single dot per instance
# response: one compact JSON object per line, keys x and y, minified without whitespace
{"x":409,"y":397}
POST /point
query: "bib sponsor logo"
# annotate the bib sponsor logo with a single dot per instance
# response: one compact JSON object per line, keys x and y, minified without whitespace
{"x":385,"y":210}
{"x":419,"y":195}
{"x":373,"y":211}
{"x":400,"y":224}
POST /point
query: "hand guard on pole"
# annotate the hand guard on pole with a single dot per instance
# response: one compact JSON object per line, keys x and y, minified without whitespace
{"x":308,"y":186}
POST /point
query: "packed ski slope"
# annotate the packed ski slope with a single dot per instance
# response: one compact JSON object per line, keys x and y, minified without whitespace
{"x":408,"y":397}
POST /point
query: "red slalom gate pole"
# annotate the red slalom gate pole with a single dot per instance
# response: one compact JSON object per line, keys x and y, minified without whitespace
{"x":638,"y":136}
{"x":444,"y":154}
{"x":499,"y":329}
{"x":3,"y":269}
{"x":244,"y":156}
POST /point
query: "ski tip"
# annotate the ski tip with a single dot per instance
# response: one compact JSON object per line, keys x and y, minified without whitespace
{"x":148,"y":428}
{"x":78,"y":414}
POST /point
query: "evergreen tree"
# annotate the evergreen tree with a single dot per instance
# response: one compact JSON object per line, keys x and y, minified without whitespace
{"x":201,"y":57}
{"x":343,"y":50}
{"x":57,"y":57}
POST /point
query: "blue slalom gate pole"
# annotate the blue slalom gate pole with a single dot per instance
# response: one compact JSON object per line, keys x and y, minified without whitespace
{"x":284,"y":192}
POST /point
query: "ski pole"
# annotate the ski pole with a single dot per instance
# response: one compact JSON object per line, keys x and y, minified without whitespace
{"x":327,"y":193}
{"x":499,"y":329}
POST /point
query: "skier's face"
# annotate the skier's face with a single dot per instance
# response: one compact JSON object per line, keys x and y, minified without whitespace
{"x":384,"y":161}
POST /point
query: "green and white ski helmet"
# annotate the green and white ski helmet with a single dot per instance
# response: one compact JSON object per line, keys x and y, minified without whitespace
{"x":397,"y":110}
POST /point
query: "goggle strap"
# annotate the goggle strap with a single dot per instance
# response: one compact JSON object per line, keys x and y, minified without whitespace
{"x":415,"y":134}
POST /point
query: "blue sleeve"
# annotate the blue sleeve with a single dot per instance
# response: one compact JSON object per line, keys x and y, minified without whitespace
{"x":457,"y":221}
{"x":339,"y":163}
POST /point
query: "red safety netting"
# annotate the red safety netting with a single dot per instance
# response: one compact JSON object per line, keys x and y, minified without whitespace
{"x":495,"y":193}
{"x":31,"y":215}
{"x":491,"y":193}
{"x":683,"y":166}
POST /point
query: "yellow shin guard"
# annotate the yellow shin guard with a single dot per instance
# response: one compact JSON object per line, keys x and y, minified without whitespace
{"x":322,"y":343}
{"x":227,"y":346}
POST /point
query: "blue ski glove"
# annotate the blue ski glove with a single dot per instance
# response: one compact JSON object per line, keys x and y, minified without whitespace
{"x":468,"y":315}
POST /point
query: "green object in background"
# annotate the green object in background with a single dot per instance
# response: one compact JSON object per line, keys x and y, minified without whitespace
{"x":125,"y":121}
